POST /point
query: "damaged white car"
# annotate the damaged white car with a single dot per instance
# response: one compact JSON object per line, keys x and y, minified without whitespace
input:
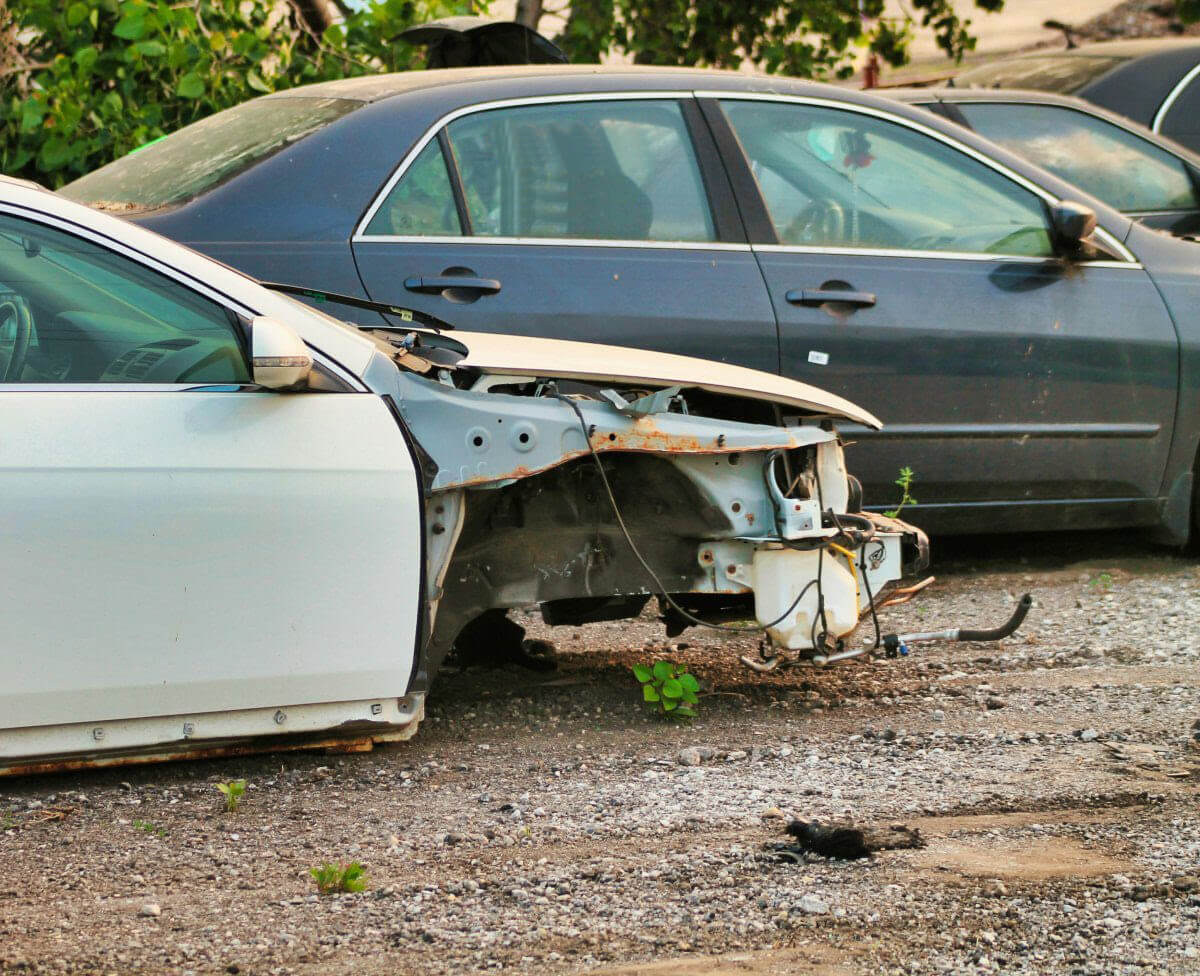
{"x":234,"y":523}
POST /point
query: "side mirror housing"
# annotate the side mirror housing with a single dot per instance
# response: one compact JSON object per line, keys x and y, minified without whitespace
{"x":279,"y":357}
{"x":1072,"y":222}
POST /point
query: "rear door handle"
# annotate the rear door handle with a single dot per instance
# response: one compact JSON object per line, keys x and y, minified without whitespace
{"x":436,"y":284}
{"x":815,"y":297}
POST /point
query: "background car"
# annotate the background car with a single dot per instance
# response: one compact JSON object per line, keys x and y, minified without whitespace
{"x":230,"y":517}
{"x":1154,"y":82}
{"x":1146,"y":176}
{"x":1030,"y":378}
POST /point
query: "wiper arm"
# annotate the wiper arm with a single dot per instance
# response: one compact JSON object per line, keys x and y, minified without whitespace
{"x":410,"y":315}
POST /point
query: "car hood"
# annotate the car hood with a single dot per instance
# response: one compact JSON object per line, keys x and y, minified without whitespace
{"x":598,"y":363}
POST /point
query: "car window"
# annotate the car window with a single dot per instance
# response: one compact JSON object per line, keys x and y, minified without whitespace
{"x":74,"y":312}
{"x":1110,"y":162}
{"x":182,"y":165}
{"x":422,"y":203}
{"x":1063,"y":73}
{"x":1182,"y":121}
{"x":586,"y":170}
{"x":843,"y":179}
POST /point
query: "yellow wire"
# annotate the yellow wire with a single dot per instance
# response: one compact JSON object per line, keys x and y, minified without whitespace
{"x":853,"y":572}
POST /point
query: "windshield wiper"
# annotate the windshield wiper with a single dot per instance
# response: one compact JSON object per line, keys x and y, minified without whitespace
{"x":408,"y":315}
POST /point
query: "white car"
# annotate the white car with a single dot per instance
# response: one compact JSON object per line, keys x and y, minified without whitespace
{"x":233,"y":522}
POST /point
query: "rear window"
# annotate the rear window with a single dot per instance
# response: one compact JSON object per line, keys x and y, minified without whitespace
{"x":1053,"y":73}
{"x":184,"y":164}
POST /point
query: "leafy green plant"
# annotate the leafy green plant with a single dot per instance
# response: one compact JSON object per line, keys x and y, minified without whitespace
{"x":1102,"y":582}
{"x":150,"y":828}
{"x":670,"y":688}
{"x":233,"y":791}
{"x":7,"y":821}
{"x":86,"y":81}
{"x":332,"y":877}
{"x":904,"y":483}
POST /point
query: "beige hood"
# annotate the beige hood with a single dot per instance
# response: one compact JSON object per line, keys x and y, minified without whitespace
{"x":596,"y":363}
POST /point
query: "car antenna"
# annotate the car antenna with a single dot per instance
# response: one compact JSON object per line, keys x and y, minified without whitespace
{"x":320,"y":297}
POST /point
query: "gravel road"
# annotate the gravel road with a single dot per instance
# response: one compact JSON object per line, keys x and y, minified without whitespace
{"x":544,"y":823}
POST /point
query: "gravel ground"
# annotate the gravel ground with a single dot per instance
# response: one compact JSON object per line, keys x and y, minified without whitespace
{"x":545,"y":823}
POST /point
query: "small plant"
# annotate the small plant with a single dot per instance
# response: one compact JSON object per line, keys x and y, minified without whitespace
{"x":149,"y":828}
{"x":904,"y":483}
{"x":7,"y":821}
{"x":670,"y":688}
{"x":1103,"y":582}
{"x":233,"y":792}
{"x":339,"y":877}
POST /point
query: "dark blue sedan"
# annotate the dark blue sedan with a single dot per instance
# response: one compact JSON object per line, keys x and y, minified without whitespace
{"x":1034,"y":372}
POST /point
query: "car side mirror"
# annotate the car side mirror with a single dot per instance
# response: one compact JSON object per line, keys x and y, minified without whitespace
{"x":1073,"y":223}
{"x":279,"y":357}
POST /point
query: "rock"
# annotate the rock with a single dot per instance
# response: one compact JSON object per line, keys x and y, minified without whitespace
{"x":150,"y":910}
{"x":812,"y":905}
{"x":772,"y":813}
{"x":690,"y":756}
{"x":997,"y":889}
{"x":938,"y":715}
{"x":1186,"y":883}
{"x":994,"y":702}
{"x":1089,"y":735}
{"x":736,"y":755}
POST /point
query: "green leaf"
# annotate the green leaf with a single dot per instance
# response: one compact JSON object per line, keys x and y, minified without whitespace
{"x":190,"y":85}
{"x":663,"y":670}
{"x":672,"y":689}
{"x":132,"y":25}
{"x":55,"y":152}
{"x":642,"y":673}
{"x":686,"y":711}
{"x":649,"y":694}
{"x":255,"y":81}
{"x":76,"y":14}
{"x":669,"y":706}
{"x":689,"y":697}
{"x":150,"y":49}
{"x":689,"y":682}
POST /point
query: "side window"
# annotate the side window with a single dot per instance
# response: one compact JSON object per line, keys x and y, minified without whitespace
{"x":74,"y":312}
{"x":622,"y":170}
{"x":1122,"y":169}
{"x":834,"y":178}
{"x":422,"y":203}
{"x":1182,"y":121}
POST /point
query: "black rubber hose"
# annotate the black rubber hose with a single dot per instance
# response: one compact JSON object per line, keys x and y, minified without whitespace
{"x":1005,"y":630}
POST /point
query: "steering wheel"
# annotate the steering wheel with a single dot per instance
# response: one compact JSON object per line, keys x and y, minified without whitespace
{"x":823,"y":221}
{"x":15,"y":308}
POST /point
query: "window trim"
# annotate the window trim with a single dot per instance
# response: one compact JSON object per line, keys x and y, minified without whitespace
{"x":227,"y":303}
{"x":1125,"y":259}
{"x":1169,"y":102}
{"x":360,"y":235}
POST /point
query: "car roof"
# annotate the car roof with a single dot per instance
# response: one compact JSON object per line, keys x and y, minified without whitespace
{"x":1136,"y":48}
{"x":544,"y":79}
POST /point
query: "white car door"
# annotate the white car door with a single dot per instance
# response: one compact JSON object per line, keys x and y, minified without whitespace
{"x":177,"y":545}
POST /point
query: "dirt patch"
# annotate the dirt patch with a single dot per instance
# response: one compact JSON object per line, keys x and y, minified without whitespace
{"x":785,"y":962}
{"x":1019,"y":859}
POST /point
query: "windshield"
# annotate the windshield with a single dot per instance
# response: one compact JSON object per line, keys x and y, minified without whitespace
{"x":1109,"y":162}
{"x":1063,"y":73}
{"x":184,"y":164}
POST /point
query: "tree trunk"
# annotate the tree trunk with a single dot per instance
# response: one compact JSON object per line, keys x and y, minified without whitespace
{"x":529,"y":13}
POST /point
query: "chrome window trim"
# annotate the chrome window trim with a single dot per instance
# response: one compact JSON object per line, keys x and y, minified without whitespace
{"x":167,"y":271}
{"x":1168,"y":103}
{"x":127,"y":387}
{"x":360,"y":234}
{"x":1108,"y":240}
{"x":556,"y":242}
{"x":885,"y":252}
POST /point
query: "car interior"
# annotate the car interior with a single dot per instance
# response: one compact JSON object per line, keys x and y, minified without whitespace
{"x":74,"y":312}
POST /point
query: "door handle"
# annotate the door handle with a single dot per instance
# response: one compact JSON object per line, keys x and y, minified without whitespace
{"x":436,"y":284}
{"x":815,"y":297}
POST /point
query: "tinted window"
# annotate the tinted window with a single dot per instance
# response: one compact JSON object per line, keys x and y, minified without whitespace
{"x":1182,"y":122}
{"x":74,"y":312}
{"x":841,"y":179}
{"x":1056,"y":73}
{"x":1110,"y":162}
{"x":591,"y":170}
{"x":422,"y":203}
{"x":179,"y":166}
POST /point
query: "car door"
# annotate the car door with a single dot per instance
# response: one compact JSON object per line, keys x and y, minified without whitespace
{"x":175,"y":541}
{"x":601,"y":218}
{"x":914,"y":278}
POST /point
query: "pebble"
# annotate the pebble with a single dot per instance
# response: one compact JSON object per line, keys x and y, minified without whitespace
{"x":150,"y":910}
{"x":1089,"y":735}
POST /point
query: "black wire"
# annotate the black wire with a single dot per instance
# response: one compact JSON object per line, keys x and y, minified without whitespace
{"x":662,"y":590}
{"x":862,"y":562}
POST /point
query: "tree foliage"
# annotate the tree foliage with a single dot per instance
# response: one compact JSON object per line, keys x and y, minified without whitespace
{"x":806,"y":38}
{"x":86,"y":82}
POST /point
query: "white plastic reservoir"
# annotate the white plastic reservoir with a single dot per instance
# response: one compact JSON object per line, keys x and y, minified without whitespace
{"x":779,"y":577}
